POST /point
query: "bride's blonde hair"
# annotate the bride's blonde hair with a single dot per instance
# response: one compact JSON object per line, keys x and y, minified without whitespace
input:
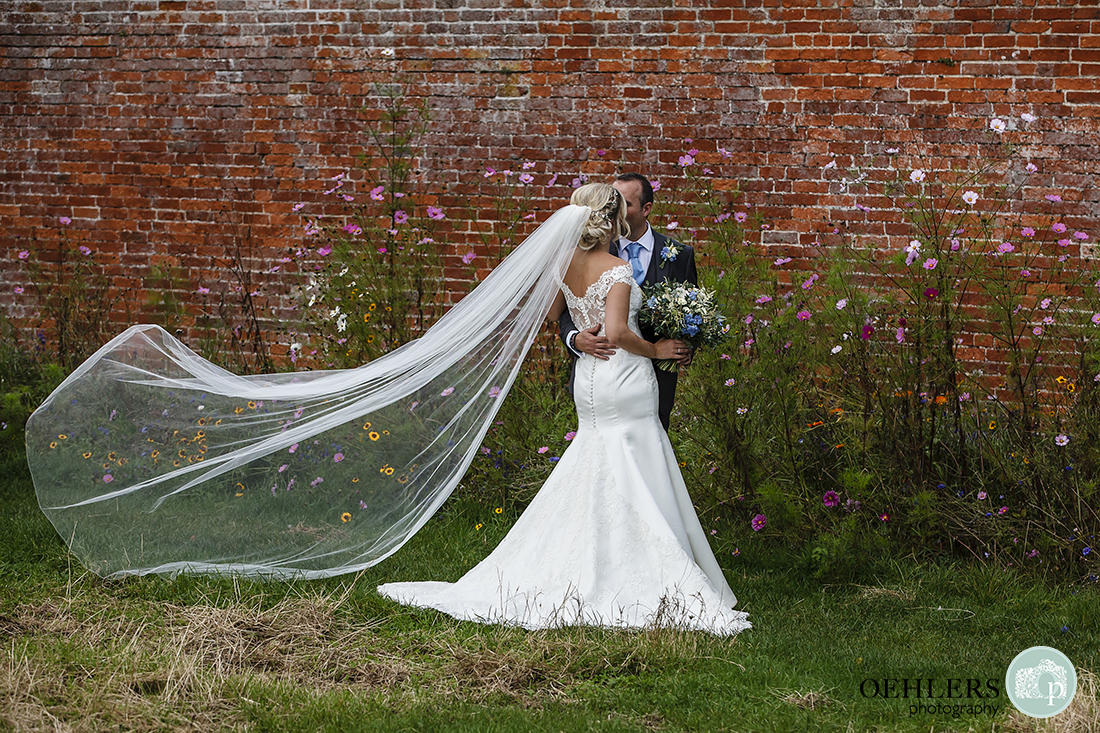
{"x":608,"y":214}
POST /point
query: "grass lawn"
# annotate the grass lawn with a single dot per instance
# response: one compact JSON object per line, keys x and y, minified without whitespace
{"x":206,"y":654}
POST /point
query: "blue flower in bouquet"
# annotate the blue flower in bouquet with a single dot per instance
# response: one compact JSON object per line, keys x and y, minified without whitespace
{"x":652,"y":302}
{"x":691,"y":330}
{"x":669,"y":254}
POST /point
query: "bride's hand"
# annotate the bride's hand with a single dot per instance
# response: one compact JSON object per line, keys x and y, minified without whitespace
{"x":671,"y":349}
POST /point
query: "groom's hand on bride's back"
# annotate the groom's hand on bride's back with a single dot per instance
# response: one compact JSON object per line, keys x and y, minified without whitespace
{"x":590,"y":342}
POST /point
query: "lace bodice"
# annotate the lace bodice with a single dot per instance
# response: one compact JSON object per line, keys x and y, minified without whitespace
{"x":588,"y":310}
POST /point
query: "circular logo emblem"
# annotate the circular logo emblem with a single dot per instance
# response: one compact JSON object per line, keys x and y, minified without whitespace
{"x":1041,"y":681}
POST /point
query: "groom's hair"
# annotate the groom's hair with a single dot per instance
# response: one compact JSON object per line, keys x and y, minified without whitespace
{"x":647,"y":187}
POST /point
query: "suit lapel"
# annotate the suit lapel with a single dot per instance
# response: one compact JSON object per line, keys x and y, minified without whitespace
{"x":657,"y":271}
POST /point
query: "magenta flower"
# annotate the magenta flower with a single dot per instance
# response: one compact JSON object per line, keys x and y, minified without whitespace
{"x":782,"y":260}
{"x":1038,"y":330}
{"x":930,"y":263}
{"x":740,"y":217}
{"x":298,"y":207}
{"x":803,"y":315}
{"x":686,"y":160}
{"x":324,"y":251}
{"x":203,"y":290}
{"x":543,"y":449}
{"x":377,"y":192}
{"x":19,"y":289}
{"x":1053,"y":197}
{"x":830,"y":499}
{"x":884,"y":517}
{"x":758,"y":522}
{"x":552,"y":181}
{"x":570,"y":435}
{"x":865,"y":334}
{"x":1058,"y":227}
{"x":526,"y":178}
{"x":400,"y":217}
{"x":1081,"y":236}
{"x":468,"y":257}
{"x":23,"y":254}
{"x":84,"y":250}
{"x":434,"y":212}
{"x":65,"y":221}
{"x":352,"y":228}
{"x":931,"y":293}
{"x":764,"y":299}
{"x":338,"y":457}
{"x":108,"y":478}
{"x":900,"y":334}
{"x":1027,"y":232}
{"x":1061,"y":439}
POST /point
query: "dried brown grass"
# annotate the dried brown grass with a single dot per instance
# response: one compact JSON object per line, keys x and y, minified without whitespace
{"x":1082,"y":715}
{"x":91,"y":661}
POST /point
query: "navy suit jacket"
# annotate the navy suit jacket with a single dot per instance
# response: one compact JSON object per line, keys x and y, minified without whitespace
{"x":682,"y":269}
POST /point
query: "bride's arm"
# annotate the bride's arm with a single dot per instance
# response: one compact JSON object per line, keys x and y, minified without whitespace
{"x":557,"y":307}
{"x":617,"y":310}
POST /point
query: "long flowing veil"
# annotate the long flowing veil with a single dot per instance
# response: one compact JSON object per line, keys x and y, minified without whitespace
{"x":150,"y":459}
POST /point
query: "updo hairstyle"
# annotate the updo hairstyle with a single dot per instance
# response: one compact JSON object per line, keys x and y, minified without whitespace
{"x":608,"y":214}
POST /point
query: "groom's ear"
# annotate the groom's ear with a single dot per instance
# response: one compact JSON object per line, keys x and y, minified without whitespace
{"x":646,"y":209}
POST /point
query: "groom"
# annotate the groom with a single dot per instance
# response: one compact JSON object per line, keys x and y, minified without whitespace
{"x":660,"y":258}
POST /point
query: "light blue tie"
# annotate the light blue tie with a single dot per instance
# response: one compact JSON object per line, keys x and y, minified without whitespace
{"x":636,"y":264}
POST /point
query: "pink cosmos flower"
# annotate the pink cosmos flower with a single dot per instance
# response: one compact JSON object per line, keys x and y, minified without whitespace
{"x":917,"y":176}
{"x":1027,"y":232}
{"x":468,"y":257}
{"x":65,"y":221}
{"x":434,"y":212}
{"x":730,"y":382}
{"x":1031,"y":168}
{"x":1038,"y":330}
{"x":203,"y":290}
{"x":23,"y":254}
{"x":400,"y":217}
{"x":1053,"y":197}
{"x":377,"y":192}
{"x":108,"y":478}
{"x":298,"y":207}
{"x":446,"y":392}
{"x":830,"y":499}
{"x":324,"y":251}
{"x":338,"y":457}
{"x":740,"y":216}
{"x":758,"y":522}
{"x":1058,"y":227}
{"x":997,"y":125}
{"x":552,"y":181}
{"x":526,"y":178}
{"x":1080,"y":236}
{"x":570,"y":435}
{"x":900,"y":334}
{"x":782,"y":260}
{"x":494,"y":391}
{"x":764,"y":299}
{"x":930,"y":263}
{"x":543,"y":449}
{"x":803,"y":315}
{"x":84,"y":250}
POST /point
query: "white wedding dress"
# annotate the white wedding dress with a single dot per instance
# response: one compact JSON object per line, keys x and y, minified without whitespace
{"x":612,"y":538}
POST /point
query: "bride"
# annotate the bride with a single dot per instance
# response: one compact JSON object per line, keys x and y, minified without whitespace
{"x":150,"y":459}
{"x":612,"y":537}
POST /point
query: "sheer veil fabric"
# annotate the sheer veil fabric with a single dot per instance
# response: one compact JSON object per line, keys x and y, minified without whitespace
{"x":150,"y":459}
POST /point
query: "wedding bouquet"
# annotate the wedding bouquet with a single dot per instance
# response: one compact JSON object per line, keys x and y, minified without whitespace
{"x":685,"y":312}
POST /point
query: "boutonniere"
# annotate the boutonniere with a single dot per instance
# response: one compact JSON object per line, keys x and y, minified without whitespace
{"x":668,"y":254}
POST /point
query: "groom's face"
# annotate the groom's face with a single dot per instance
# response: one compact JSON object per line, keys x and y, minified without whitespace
{"x":636,"y":214}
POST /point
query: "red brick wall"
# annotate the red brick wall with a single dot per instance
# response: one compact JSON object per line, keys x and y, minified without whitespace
{"x":161,"y":128}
